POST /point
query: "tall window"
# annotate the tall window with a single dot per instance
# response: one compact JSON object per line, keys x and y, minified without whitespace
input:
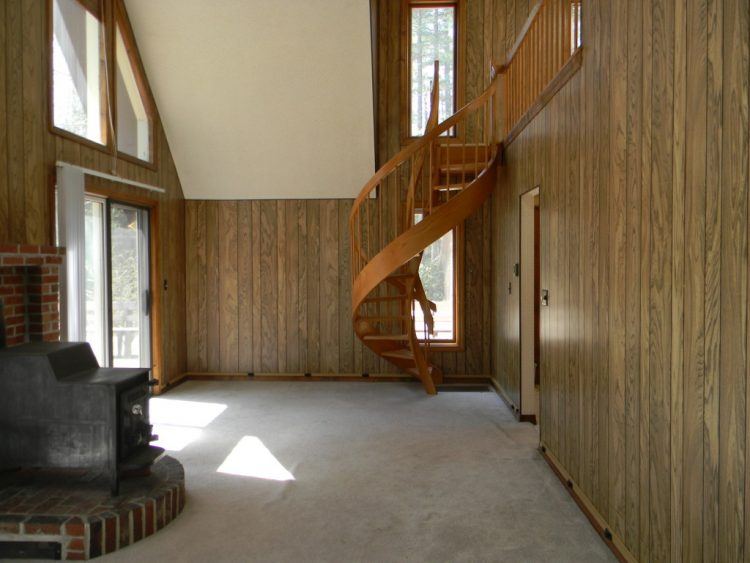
{"x":575,"y":28}
{"x":133,"y":118}
{"x":438,"y":273}
{"x":78,"y":78}
{"x":432,"y":31}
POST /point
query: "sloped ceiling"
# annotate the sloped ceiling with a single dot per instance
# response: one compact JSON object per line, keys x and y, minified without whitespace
{"x":262,"y":98}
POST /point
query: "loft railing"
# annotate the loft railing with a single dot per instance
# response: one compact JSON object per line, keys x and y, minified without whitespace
{"x":550,"y":38}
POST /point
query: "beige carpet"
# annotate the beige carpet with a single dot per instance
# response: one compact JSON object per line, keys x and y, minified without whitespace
{"x":359,"y":472}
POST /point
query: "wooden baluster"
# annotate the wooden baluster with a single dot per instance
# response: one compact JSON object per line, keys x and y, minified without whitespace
{"x":519,"y":78}
{"x":476,"y":149}
{"x":552,"y":42}
{"x":535,"y":50}
{"x":508,"y":103}
{"x":562,"y":54}
{"x":516,"y":90}
{"x":487,"y":127}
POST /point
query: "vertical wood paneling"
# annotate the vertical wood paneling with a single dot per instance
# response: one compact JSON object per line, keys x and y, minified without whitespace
{"x":34,"y":82}
{"x":16,"y":210}
{"x":213,"y":348}
{"x":268,"y":281}
{"x":346,"y":336}
{"x":617,"y":252}
{"x":281,"y":302}
{"x":4,"y":191}
{"x":302,"y":283}
{"x":734,"y":268}
{"x":695,"y":279}
{"x":256,"y":305}
{"x":228,"y":287}
{"x":633,"y":277}
{"x":291,"y":279}
{"x":244,"y":285}
{"x":660,"y":290}
{"x":329,"y":285}
{"x":715,"y":23}
{"x":646,"y":257}
{"x":313,"y":285}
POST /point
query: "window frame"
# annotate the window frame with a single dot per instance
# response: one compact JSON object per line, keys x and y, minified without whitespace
{"x":459,"y":56}
{"x":92,"y":8}
{"x":122,"y":23}
{"x":109,"y":13}
{"x":457,"y":344}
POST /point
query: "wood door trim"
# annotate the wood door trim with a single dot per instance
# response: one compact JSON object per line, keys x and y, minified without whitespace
{"x":153,"y":205}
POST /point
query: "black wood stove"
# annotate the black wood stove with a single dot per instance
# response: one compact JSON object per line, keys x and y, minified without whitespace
{"x":59,"y":409}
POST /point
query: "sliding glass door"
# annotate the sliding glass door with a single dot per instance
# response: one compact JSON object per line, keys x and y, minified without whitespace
{"x":118,"y":296}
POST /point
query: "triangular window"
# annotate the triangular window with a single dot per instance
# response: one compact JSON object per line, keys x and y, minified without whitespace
{"x":132,"y":103}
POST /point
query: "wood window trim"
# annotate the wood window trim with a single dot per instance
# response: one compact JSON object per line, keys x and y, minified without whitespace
{"x":122,"y":23}
{"x":111,"y":191}
{"x":109,"y":13}
{"x":457,"y":344}
{"x":101,"y":15}
{"x":460,"y":60}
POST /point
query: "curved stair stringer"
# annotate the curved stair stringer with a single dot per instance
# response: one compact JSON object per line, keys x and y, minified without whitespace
{"x":384,"y":268}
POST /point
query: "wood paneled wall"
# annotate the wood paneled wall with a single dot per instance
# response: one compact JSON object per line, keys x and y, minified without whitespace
{"x":642,"y":160}
{"x":28,"y":152}
{"x":269,"y":291}
{"x":305,"y":325}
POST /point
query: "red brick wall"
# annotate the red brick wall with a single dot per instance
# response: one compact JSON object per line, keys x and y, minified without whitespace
{"x":30,"y":291}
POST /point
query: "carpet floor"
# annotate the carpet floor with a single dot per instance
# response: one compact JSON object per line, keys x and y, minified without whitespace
{"x":339,"y":471}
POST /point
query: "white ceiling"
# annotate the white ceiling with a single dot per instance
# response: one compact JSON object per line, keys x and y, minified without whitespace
{"x":262,"y":98}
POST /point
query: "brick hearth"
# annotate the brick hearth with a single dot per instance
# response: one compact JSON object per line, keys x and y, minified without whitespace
{"x":30,"y":292}
{"x":73,"y":511}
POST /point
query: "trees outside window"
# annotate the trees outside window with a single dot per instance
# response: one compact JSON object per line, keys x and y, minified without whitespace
{"x":432,"y":37}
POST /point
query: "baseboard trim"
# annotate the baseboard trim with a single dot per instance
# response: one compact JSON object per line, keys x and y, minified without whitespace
{"x":322,"y":377}
{"x":501,"y":393}
{"x":531,"y":418}
{"x":612,"y":540}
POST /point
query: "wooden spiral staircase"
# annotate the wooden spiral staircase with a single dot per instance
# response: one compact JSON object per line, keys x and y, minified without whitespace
{"x":447,"y":174}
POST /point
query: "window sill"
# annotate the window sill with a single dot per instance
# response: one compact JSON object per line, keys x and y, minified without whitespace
{"x":135,"y":160}
{"x":444,"y":346}
{"x":107,"y":149}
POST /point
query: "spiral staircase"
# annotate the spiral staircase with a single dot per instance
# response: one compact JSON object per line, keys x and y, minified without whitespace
{"x":447,"y":174}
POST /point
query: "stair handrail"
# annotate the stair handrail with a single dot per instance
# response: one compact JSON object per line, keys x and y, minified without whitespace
{"x":421,"y":142}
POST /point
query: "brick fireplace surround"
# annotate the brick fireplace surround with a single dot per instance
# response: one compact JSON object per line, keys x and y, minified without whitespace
{"x":30,"y":292}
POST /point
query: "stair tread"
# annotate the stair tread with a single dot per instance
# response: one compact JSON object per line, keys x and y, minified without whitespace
{"x":385,"y":317}
{"x":464,"y":167}
{"x":386,"y":337}
{"x":448,"y":187}
{"x":384,"y":298}
{"x":402,"y":353}
{"x":467,"y":145}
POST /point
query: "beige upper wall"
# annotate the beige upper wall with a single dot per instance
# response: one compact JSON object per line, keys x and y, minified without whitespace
{"x":259,"y":98}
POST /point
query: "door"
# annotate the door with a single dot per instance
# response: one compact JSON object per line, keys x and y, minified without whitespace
{"x":529,"y":304}
{"x":117,"y":292}
{"x":130,"y":306}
